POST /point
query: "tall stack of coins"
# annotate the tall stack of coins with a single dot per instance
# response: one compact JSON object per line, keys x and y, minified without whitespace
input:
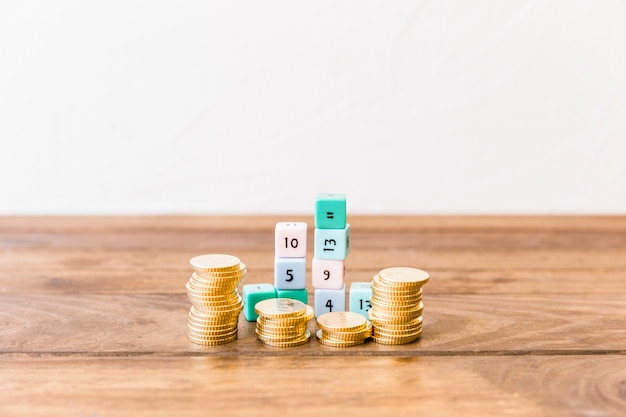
{"x":282,"y":322}
{"x":216,"y":303}
{"x":343,"y":329}
{"x":396,"y":312}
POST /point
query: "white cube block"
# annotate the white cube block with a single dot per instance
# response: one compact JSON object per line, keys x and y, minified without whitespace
{"x":327,"y":273}
{"x":290,"y":240}
{"x":289,"y":273}
{"x":328,"y":301}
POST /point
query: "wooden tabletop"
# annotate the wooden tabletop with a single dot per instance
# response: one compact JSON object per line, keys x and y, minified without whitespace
{"x":523,"y":316}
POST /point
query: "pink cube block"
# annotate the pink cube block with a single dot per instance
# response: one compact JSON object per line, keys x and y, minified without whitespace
{"x":327,"y":273}
{"x":290,"y":241}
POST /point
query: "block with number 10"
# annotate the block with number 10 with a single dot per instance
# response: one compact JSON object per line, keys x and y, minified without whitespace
{"x":290,"y":240}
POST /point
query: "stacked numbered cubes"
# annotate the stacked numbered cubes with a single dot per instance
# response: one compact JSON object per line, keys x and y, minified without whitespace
{"x":332,"y":245}
{"x":290,"y":261}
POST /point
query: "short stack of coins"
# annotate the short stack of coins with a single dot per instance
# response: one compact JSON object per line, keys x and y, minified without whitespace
{"x":282,"y":322}
{"x":331,"y":247}
{"x":216,"y":303}
{"x":396,"y":312}
{"x":343,"y":329}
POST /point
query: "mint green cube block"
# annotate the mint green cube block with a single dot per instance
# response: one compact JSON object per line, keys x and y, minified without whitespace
{"x":330,"y":211}
{"x":360,"y":297}
{"x":300,"y":295}
{"x":331,"y":243}
{"x":252,"y":294}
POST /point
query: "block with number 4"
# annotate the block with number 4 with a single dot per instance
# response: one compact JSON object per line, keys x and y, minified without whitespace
{"x":290,"y":240}
{"x":332,"y":243}
{"x":328,"y":301}
{"x":289,"y":273}
{"x":327,"y":273}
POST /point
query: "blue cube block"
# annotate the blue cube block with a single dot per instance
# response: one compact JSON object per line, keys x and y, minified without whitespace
{"x":332,"y":243}
{"x":328,"y":301}
{"x":359,"y":297}
{"x":330,"y":211}
{"x":289,"y":273}
{"x":300,"y":295}
{"x":252,"y":294}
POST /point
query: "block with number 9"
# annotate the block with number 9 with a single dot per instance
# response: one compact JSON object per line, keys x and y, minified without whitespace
{"x":327,"y":273}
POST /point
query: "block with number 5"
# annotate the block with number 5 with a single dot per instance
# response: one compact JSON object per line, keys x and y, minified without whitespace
{"x":290,"y":239}
{"x":289,"y":273}
{"x":327,"y":273}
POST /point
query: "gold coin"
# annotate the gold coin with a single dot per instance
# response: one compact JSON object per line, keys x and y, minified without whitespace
{"x":215,"y":262}
{"x":341,"y":321}
{"x":412,"y":324}
{"x":349,"y":335}
{"x":395,"y":340}
{"x":220,"y":275}
{"x":212,"y":329}
{"x":308,"y":314}
{"x":280,"y":307}
{"x":210,"y":283}
{"x":304,"y":338}
{"x":278,"y":337}
{"x":336,"y":343}
{"x":216,"y":286}
{"x":211,"y":334}
{"x":280,"y":330}
{"x":384,"y":319}
{"x":378,"y":283}
{"x":403,"y":276}
{"x":212,"y":342}
{"x":209,"y":293}
{"x":384,"y":332}
{"x":387,"y":306}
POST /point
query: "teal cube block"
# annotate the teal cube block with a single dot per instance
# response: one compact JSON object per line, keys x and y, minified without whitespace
{"x":360,"y":298}
{"x":300,"y":295}
{"x":330,"y":211}
{"x":252,"y":294}
{"x":332,"y":243}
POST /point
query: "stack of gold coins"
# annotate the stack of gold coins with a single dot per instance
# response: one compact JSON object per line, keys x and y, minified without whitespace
{"x":343,"y":329}
{"x":396,"y":312}
{"x":282,"y":322}
{"x":216,"y":303}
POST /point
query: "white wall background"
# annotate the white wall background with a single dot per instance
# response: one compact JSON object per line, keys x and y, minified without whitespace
{"x":255,"y":107}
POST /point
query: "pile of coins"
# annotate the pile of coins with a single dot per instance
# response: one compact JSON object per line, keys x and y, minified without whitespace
{"x":343,"y":329}
{"x":282,"y":322}
{"x":216,"y":303}
{"x":396,"y":312}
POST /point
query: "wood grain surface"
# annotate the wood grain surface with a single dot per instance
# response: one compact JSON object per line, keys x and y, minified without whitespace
{"x":523,"y":316}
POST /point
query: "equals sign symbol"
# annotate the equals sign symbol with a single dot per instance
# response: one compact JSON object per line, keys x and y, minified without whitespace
{"x":330,"y":215}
